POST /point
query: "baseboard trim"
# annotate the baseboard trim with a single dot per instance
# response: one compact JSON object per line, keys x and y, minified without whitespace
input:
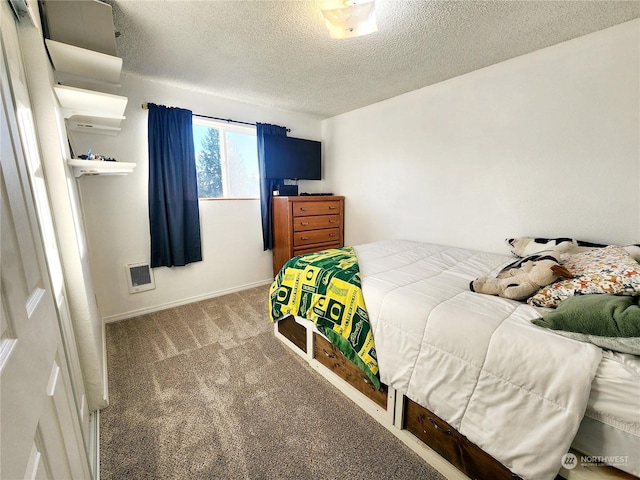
{"x":184,"y":301}
{"x":105,"y":370}
{"x":94,"y":444}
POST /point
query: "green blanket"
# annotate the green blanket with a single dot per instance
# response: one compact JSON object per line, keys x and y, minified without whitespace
{"x":609,"y":321}
{"x":325,"y":287}
{"x":603,"y":315}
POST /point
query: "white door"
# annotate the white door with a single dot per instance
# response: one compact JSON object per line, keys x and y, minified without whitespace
{"x":40,"y":435}
{"x":35,"y":171}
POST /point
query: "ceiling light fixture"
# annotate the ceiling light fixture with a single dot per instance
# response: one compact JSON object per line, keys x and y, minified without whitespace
{"x":351,"y":18}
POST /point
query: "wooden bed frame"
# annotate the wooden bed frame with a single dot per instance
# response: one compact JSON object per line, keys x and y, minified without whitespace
{"x":441,"y":445}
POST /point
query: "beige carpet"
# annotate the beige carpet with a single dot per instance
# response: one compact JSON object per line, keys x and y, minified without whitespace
{"x":205,"y":391}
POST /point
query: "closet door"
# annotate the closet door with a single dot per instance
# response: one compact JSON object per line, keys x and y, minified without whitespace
{"x":39,"y":426}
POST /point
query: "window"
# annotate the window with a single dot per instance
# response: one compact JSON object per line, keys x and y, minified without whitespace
{"x":226,"y":160}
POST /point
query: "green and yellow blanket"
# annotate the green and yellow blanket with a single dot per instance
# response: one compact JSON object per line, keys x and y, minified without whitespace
{"x":325,"y":287}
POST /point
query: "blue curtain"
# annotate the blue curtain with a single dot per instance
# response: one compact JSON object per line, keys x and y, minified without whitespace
{"x":174,"y":217}
{"x":266,"y":184}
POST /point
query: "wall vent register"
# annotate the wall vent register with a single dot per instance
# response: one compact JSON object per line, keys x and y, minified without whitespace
{"x":140,"y":277}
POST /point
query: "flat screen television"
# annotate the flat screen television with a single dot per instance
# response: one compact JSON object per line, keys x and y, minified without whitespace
{"x":292,"y":158}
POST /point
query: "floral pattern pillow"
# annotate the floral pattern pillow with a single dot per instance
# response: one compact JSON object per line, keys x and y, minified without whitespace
{"x":601,"y":270}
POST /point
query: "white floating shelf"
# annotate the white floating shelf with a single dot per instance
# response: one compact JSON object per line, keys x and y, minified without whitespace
{"x":87,"y":24}
{"x":84,"y":63}
{"x":98,"y":125}
{"x":95,"y":167}
{"x":81,"y":102}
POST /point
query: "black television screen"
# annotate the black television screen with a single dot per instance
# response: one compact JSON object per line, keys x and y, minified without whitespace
{"x":292,"y":158}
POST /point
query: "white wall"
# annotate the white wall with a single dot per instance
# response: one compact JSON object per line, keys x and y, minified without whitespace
{"x":546,"y":144}
{"x":116,"y":211}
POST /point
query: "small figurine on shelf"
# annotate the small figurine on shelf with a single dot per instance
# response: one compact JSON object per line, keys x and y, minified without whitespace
{"x":98,"y":158}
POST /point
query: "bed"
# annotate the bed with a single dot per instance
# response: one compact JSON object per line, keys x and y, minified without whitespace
{"x":516,"y":392}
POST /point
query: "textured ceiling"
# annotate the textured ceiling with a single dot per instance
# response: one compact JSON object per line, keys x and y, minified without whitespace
{"x":279,"y":54}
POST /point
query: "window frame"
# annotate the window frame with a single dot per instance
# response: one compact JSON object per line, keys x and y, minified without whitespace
{"x":224,"y":127}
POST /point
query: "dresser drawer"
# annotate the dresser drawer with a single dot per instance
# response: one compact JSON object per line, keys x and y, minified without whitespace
{"x":451,"y":445}
{"x":315,"y":248}
{"x":433,"y":431}
{"x":316,"y":236}
{"x":295,"y":332}
{"x":332,"y":358}
{"x":315,"y":222}
{"x":479,"y":464}
{"x":301,"y":209}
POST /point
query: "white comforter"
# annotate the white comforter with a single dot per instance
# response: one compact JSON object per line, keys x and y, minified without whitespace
{"x":516,"y":390}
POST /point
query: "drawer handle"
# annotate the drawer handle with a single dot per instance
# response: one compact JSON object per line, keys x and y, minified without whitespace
{"x":365,"y":379}
{"x":304,"y":224}
{"x":332,"y":221}
{"x":438,"y":427}
{"x":332,"y":234}
{"x":330,"y":355}
{"x":302,"y":209}
{"x":304,"y":238}
{"x":331,"y":207}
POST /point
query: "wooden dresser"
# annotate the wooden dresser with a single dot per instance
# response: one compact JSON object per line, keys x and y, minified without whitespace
{"x":304,"y":225}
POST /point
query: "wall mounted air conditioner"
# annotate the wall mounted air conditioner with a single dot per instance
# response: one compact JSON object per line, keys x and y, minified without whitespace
{"x":140,"y":277}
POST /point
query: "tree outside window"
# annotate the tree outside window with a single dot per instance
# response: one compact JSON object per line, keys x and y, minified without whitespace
{"x":226,"y":160}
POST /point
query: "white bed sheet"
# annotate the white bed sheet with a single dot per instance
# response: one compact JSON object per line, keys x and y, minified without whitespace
{"x":611,"y":426}
{"x":394,"y":265}
{"x":615,"y":392}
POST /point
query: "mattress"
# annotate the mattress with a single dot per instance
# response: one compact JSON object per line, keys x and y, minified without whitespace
{"x":611,"y":424}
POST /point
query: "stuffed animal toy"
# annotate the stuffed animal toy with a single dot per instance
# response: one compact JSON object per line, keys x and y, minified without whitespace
{"x":522,"y":282}
{"x":525,"y":246}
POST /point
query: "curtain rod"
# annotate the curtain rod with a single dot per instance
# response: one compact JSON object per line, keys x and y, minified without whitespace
{"x":228,"y":120}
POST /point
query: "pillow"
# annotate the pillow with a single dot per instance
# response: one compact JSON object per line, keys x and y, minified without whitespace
{"x":601,"y":270}
{"x":609,"y":321}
